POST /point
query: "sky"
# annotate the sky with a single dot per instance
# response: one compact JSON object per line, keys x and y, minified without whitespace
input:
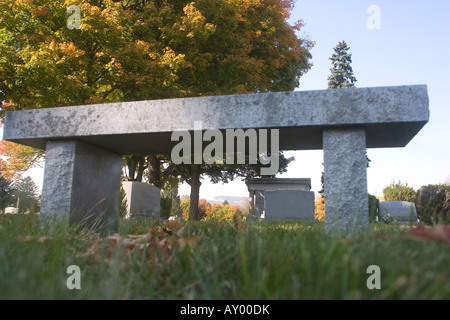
{"x":410,"y":45}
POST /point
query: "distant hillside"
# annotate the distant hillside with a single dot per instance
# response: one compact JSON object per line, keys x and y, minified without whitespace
{"x":230,"y":199}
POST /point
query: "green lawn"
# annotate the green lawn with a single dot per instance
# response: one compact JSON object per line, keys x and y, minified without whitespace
{"x":212,"y":260}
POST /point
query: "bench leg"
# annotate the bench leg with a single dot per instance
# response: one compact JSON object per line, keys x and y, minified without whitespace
{"x":345,"y":180}
{"x":81,"y":184}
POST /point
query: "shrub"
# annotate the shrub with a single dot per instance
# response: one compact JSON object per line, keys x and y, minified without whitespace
{"x":166,"y":206}
{"x":433,"y":204}
{"x":319,"y":207}
{"x":373,"y":208}
{"x":399,"y":192}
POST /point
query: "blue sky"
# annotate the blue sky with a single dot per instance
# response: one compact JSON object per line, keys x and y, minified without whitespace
{"x":411,"y":47}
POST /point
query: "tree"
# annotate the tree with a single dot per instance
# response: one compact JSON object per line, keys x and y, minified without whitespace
{"x":433,"y":203}
{"x":19,"y":158}
{"x":6,"y":192}
{"x":139,"y":50}
{"x":26,"y":195}
{"x":397,"y":191}
{"x":342,"y":72}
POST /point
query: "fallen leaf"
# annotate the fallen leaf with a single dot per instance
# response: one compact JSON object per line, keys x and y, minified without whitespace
{"x":436,"y":233}
{"x":40,"y":240}
{"x":182,"y":242}
{"x":92,"y":256}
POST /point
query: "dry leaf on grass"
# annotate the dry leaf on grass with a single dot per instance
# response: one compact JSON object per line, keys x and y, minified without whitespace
{"x":436,"y":233}
{"x":38,"y":239}
{"x":92,"y":256}
{"x":123,"y":247}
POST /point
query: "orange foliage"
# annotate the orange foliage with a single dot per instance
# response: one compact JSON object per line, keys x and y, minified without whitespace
{"x":18,"y":158}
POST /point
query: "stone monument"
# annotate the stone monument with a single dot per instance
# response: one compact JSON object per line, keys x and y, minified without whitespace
{"x":402,"y":211}
{"x":83,"y":150}
{"x":143,"y":200}
{"x":269,"y":201}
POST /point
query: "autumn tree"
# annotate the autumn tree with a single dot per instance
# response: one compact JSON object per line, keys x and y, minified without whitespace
{"x":139,"y":50}
{"x":19,"y":158}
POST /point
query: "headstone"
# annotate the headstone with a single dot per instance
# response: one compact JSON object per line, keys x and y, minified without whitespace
{"x":143,"y":200}
{"x":289,"y":204}
{"x":257,"y":188}
{"x":402,"y":211}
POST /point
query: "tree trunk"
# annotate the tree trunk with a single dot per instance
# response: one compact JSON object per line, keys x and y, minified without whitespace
{"x":141,"y":169}
{"x":133,"y":163}
{"x":154,"y":171}
{"x":195,"y":192}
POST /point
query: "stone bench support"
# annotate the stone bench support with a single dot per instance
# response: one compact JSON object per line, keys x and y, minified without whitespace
{"x":81,"y":184}
{"x":345,"y":179}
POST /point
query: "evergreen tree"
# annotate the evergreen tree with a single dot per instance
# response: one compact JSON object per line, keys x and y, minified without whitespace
{"x":342,"y":73}
{"x":27,"y":195}
{"x":6,"y":192}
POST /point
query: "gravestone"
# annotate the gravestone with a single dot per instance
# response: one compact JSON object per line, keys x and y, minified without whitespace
{"x":402,"y":211}
{"x":257,"y":187}
{"x":143,"y":200}
{"x":83,"y":150}
{"x":289,"y":204}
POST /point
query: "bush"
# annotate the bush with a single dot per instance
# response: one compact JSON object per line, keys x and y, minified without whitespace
{"x":399,"y":192}
{"x":166,"y":206}
{"x":433,"y":204}
{"x":319,"y":208}
{"x":123,"y":203}
{"x":213,"y":212}
{"x":373,"y":208}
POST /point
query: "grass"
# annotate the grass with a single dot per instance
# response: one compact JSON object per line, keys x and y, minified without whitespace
{"x":212,"y":260}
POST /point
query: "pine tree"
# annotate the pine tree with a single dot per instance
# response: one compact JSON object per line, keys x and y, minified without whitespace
{"x":27,"y":195}
{"x":342,"y":73}
{"x":6,"y":192}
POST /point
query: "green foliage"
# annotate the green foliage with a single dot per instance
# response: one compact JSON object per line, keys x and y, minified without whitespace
{"x":397,"y":191}
{"x":26,"y":195}
{"x":166,"y":206}
{"x":170,"y":203}
{"x":6,"y":192}
{"x":433,"y":204}
{"x":342,"y":71}
{"x":373,"y":208}
{"x":123,"y":203}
